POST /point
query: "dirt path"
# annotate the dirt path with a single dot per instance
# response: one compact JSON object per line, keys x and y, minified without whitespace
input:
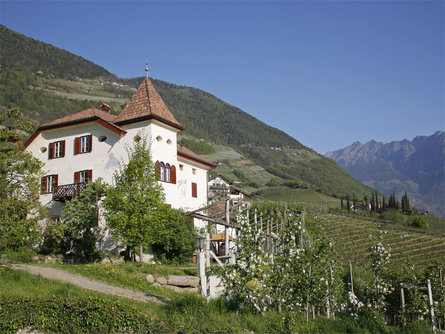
{"x":89,"y":284}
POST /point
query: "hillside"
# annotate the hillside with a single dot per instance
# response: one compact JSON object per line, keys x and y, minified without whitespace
{"x":48,"y":83}
{"x":416,"y":167}
{"x":21,"y":53}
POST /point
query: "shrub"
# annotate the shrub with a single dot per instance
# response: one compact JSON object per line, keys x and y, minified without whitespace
{"x":419,"y":222}
{"x":174,"y":241}
{"x":70,"y":315}
{"x":21,"y":256}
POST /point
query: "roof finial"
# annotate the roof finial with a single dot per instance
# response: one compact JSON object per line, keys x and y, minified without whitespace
{"x":146,"y":70}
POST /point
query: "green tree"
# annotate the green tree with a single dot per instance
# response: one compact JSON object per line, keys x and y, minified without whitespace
{"x":20,"y":172}
{"x":133,"y":204}
{"x":406,"y":208}
{"x":392,"y":201}
{"x":79,"y":222}
{"x":174,"y":242}
{"x":348,"y":204}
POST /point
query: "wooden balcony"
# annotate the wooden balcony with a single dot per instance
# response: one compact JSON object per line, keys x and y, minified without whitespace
{"x":67,"y":191}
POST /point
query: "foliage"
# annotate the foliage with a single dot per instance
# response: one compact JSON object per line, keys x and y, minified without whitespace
{"x":20,"y":172}
{"x":293,"y":275}
{"x":200,"y":147}
{"x":133,"y":205}
{"x":406,"y":208}
{"x":80,"y":222}
{"x":23,"y":255}
{"x":174,"y":241}
{"x":70,"y":315}
{"x":419,"y":222}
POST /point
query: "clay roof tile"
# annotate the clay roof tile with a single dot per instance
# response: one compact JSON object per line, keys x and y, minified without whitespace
{"x":146,"y":103}
{"x":185,"y":152}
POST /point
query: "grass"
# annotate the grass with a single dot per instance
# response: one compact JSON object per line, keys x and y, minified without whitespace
{"x":189,"y":313}
{"x":127,"y":275}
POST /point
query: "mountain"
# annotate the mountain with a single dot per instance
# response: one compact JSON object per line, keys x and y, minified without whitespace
{"x":21,"y":53}
{"x":416,"y":167}
{"x":49,"y":83}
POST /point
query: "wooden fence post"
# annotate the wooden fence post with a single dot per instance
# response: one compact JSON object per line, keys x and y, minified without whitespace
{"x":402,"y":299}
{"x":350,"y":274}
{"x":226,"y":229}
{"x":430,"y":299}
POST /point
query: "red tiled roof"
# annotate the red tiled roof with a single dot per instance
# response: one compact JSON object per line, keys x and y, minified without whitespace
{"x":185,"y":152}
{"x":145,"y":104}
{"x":83,"y":115}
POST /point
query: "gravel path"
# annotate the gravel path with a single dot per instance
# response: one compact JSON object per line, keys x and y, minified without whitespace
{"x":89,"y":284}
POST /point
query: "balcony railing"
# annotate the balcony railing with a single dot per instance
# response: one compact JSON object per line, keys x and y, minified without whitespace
{"x":67,"y":191}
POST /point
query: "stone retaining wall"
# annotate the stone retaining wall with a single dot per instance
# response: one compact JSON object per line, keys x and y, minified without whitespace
{"x":174,"y":282}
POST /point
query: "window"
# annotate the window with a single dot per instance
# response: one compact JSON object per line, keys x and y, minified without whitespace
{"x":162,"y":171}
{"x":193,"y":171}
{"x":48,"y":183}
{"x":181,"y":167}
{"x":56,"y":149}
{"x":83,"y":176}
{"x":194,"y":190}
{"x":83,"y":144}
{"x":166,"y":172}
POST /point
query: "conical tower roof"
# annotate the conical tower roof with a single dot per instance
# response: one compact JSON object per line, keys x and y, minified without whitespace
{"x":147,"y":104}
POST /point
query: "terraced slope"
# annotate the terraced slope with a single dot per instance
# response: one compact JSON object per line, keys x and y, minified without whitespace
{"x":351,"y":238}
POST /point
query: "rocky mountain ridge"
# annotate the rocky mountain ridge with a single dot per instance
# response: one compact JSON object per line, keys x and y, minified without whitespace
{"x":415,"y":166}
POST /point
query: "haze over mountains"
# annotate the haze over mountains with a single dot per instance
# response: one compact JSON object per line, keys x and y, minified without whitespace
{"x":416,"y":167}
{"x":48,"y":83}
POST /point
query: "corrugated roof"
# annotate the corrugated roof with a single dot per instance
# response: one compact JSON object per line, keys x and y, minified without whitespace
{"x":192,"y":155}
{"x":81,"y":116}
{"x":145,"y":104}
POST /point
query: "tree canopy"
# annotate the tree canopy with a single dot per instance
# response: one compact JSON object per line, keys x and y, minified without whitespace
{"x":20,"y":172}
{"x":133,"y":204}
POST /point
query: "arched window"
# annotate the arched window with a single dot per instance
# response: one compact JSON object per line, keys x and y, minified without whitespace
{"x":162,"y":171}
{"x":167,"y":173}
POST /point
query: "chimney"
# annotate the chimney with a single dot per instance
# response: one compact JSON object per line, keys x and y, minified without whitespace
{"x":105,"y":107}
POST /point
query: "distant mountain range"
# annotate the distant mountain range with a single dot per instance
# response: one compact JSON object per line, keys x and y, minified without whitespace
{"x":48,"y":83}
{"x":416,"y":167}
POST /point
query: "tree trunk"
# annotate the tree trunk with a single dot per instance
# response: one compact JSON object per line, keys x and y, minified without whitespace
{"x":140,"y":252}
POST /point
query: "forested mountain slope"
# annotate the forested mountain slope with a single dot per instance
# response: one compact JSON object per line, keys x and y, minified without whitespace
{"x":21,"y":53}
{"x":48,"y":83}
{"x":416,"y":167}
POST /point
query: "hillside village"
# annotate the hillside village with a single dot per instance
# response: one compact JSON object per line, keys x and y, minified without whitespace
{"x":252,"y":232}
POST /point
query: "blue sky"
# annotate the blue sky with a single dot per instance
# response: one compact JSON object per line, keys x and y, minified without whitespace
{"x":326,"y":72}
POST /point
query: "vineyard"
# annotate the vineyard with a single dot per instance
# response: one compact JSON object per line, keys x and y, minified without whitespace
{"x":352,"y":242}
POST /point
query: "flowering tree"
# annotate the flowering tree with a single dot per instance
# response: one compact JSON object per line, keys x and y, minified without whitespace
{"x":296,"y":274}
{"x":379,"y":259}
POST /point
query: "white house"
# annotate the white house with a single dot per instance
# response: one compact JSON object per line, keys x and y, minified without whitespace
{"x":90,"y":144}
